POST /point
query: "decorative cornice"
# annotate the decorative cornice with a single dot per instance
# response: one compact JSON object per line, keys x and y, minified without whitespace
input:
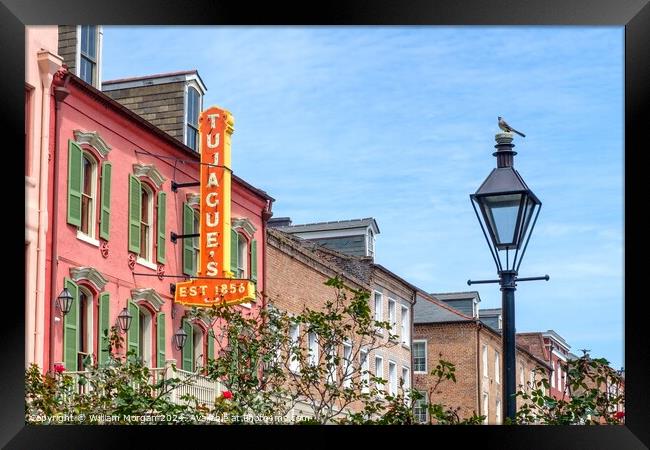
{"x":89,"y":274}
{"x":150,"y":171}
{"x":148,"y":295}
{"x":245,"y":225}
{"x":192,"y":199}
{"x":93,"y":139}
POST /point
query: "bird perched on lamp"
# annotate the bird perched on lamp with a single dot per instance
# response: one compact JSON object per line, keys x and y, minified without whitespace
{"x":505,"y":127}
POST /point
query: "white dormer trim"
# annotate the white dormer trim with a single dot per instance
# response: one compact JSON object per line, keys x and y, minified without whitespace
{"x":331,"y":233}
{"x":152,"y":81}
{"x":148,"y":295}
{"x":93,"y":139}
{"x":150,"y":171}
{"x":90,"y":274}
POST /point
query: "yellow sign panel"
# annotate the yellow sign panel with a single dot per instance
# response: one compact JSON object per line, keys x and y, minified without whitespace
{"x":215,"y":284}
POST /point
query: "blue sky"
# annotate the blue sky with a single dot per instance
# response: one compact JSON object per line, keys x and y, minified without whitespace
{"x":398,"y":123}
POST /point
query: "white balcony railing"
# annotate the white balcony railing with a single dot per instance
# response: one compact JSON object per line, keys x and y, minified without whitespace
{"x":202,"y":388}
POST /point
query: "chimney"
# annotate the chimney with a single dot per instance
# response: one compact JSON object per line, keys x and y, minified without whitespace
{"x":279,"y":222}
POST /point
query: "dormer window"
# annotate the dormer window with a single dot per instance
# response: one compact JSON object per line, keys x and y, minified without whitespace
{"x":371,"y":243}
{"x":192,"y":118}
{"x":500,"y":322}
{"x":88,"y":54}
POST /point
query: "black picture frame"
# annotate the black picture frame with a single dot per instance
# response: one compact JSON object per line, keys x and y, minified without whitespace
{"x":633,"y":14}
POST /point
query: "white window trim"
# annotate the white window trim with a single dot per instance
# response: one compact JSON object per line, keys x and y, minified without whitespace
{"x":370,"y":243}
{"x":84,"y":237}
{"x":90,"y":325}
{"x":146,"y":330}
{"x":423,"y":401}
{"x":486,"y":407}
{"x":553,"y":375}
{"x":313,"y":352}
{"x":364,"y":377}
{"x":392,"y":379}
{"x":393,"y":320}
{"x":152,"y":222}
{"x":347,"y":365}
{"x":497,"y":411}
{"x":92,"y":223}
{"x":405,"y":326}
{"x":246,"y":253}
{"x":145,"y":263}
{"x":406,"y":383}
{"x":195,"y":85}
{"x":426,"y":358}
{"x":379,"y":386}
{"x":77,"y":59}
{"x":198,"y":346}
{"x":294,"y":366}
{"x":378,"y":330}
{"x":497,"y":367}
{"x":332,"y":372}
{"x":484,"y":356}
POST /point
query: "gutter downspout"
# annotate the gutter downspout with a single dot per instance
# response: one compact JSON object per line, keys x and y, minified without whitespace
{"x":415,"y":299}
{"x":48,"y":65}
{"x":478,"y":367}
{"x":266,"y":215}
{"x":60,"y":93}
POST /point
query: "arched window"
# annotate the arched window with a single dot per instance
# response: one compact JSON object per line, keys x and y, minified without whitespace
{"x":88,"y":194}
{"x":242,"y":256}
{"x":197,"y":340}
{"x":146,"y":205}
{"x":147,"y":212}
{"x":85,"y":327}
{"x":145,"y":336}
{"x":195,"y":241}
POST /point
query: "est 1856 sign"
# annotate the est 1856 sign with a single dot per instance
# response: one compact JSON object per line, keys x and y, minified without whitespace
{"x":214,"y":284}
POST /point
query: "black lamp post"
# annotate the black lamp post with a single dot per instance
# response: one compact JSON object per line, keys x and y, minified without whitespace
{"x":64,"y":301}
{"x":124,"y":320}
{"x":180,"y":337}
{"x":506,"y":208}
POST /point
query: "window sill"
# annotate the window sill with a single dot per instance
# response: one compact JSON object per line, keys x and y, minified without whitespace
{"x":85,"y":238}
{"x":406,"y":345}
{"x":420,"y":373}
{"x":145,"y":263}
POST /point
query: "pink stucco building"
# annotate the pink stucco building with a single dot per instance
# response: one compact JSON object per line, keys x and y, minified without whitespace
{"x":108,"y":238}
{"x":41,"y":62}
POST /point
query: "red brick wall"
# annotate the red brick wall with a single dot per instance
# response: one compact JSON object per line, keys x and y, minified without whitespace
{"x":455,"y":343}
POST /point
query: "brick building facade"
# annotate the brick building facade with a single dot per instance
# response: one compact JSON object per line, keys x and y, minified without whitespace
{"x":297,"y":271}
{"x":441,"y":332}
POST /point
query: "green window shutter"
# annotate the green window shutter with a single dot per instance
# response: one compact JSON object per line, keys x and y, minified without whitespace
{"x":160,"y":342}
{"x":188,"y":349}
{"x":103,"y":328}
{"x":75,"y":183}
{"x":189,"y":257}
{"x":254,"y":260}
{"x":162,"y":215}
{"x":211,"y":344}
{"x":134,"y":330}
{"x":70,"y":329}
{"x":135,"y":199}
{"x":105,"y":217}
{"x":234,"y":252}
